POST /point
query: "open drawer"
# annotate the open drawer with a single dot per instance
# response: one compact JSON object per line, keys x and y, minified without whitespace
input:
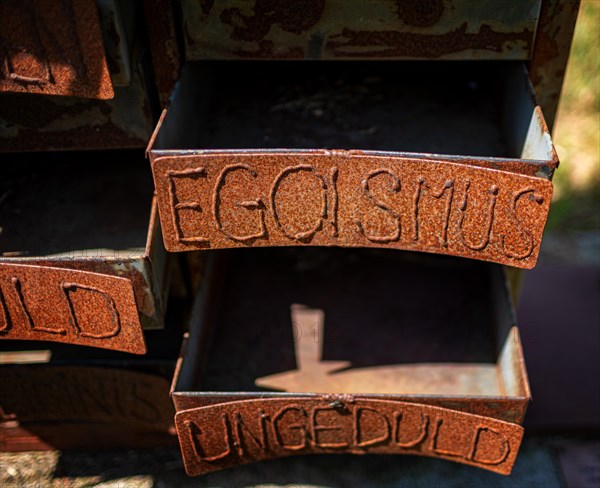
{"x":350,"y":351}
{"x":449,"y":158}
{"x":60,"y":396}
{"x":81,"y":254}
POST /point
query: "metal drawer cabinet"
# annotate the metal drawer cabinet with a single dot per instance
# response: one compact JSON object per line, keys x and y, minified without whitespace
{"x":59,"y":396}
{"x":448,"y":158}
{"x":350,"y":351}
{"x":74,"y":74}
{"x":81,"y":253}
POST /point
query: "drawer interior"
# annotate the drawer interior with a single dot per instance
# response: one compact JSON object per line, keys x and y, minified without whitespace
{"x":476,"y":109}
{"x":394,"y":323}
{"x":91,"y":205}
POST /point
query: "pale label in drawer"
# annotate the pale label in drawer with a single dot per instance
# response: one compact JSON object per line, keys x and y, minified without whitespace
{"x":223,"y":435}
{"x":62,"y":305}
{"x":344,"y":198}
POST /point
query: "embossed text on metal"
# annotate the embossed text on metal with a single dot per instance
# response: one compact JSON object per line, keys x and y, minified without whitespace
{"x":76,"y":307}
{"x":227,"y":434}
{"x":53,"y":48}
{"x":339,"y":198}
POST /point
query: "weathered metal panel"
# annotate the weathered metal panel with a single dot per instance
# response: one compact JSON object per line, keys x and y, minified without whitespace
{"x":219,"y":427}
{"x":336,"y":198}
{"x":256,"y":430}
{"x":58,"y":219}
{"x":45,"y":123}
{"x":164,"y":47}
{"x":49,"y":406}
{"x":354,"y":29}
{"x":53,"y":48}
{"x":551,"y":52}
{"x":76,"y":307}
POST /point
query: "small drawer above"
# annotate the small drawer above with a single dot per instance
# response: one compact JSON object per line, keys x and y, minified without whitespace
{"x":448,"y":158}
{"x":81,"y":254}
{"x":354,"y":351}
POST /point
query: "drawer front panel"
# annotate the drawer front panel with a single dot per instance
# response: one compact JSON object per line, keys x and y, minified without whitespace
{"x":224,"y":435}
{"x":53,"y":48}
{"x":338,"y":198}
{"x":75,"y":307}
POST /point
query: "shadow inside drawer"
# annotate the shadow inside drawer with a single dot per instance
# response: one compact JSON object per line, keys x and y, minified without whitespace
{"x":389,"y":316}
{"x":450,"y":108}
{"x":68,"y":202}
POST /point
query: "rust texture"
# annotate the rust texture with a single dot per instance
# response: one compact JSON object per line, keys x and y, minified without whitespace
{"x":164,"y":48}
{"x":350,"y":198}
{"x":50,"y":407}
{"x":53,"y":48}
{"x":382,"y":29}
{"x":87,"y":308}
{"x":225,"y":435}
{"x":551,"y":52}
{"x":45,"y":123}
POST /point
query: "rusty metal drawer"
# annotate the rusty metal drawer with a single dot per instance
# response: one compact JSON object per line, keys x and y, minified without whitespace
{"x":57,"y":396}
{"x":350,"y":351}
{"x":55,"y":88}
{"x":81,"y":253}
{"x":354,"y":29}
{"x":449,"y":158}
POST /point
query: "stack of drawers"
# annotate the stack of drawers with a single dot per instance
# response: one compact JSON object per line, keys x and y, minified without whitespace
{"x":328,"y":233}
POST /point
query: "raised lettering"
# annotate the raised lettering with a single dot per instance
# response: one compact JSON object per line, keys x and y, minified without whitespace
{"x":243,"y":433}
{"x":195,"y":432}
{"x":250,"y":205}
{"x":435,"y":440}
{"x":476,"y":438}
{"x":415,"y":442}
{"x":489,"y":219}
{"x":529,"y":246}
{"x":71,"y":288}
{"x":316,"y":428}
{"x":358,"y":434}
{"x":278,"y":417}
{"x":5,"y":321}
{"x":177,"y":206}
{"x":394,"y":188}
{"x":421,"y":186}
{"x":302,"y":236}
{"x":21,"y":298}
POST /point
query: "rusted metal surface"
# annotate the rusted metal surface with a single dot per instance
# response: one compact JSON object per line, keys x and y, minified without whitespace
{"x":61,"y":407}
{"x":342,"y":29}
{"x":53,"y":48}
{"x":337,"y":198}
{"x":225,"y":179}
{"x":45,"y":123}
{"x":551,"y":52}
{"x":52,"y":304}
{"x":227,"y":416}
{"x":255,"y":430}
{"x":164,"y":47}
{"x":111,"y":239}
{"x":117,"y":18}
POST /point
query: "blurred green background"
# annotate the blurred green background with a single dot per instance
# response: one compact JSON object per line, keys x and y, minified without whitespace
{"x":576,"y":205}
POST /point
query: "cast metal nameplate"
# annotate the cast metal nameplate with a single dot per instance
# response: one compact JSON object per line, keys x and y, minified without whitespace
{"x":342,"y":198}
{"x":62,"y":305}
{"x":227,"y":434}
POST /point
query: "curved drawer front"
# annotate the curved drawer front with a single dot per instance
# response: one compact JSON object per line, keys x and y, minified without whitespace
{"x":88,"y":309}
{"x":224,"y":435}
{"x":338,"y":198}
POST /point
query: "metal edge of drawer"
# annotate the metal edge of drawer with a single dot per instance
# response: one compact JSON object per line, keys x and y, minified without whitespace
{"x":239,"y":434}
{"x":519,"y":190}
